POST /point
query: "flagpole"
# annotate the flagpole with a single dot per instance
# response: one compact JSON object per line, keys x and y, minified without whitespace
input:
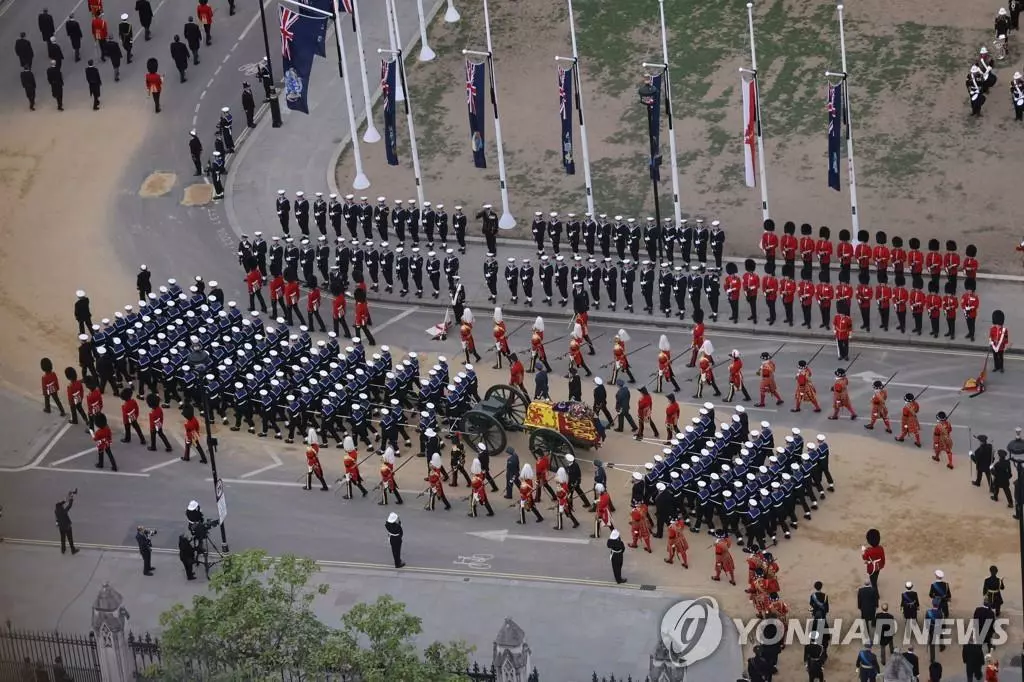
{"x":426,"y":54}
{"x":671,"y":129}
{"x":371,"y":135}
{"x":854,"y":216}
{"x":451,"y":15}
{"x":589,"y":185}
{"x":413,"y":150}
{"x":395,"y":49}
{"x":757,"y":104}
{"x":360,"y":181}
{"x":506,"y":222}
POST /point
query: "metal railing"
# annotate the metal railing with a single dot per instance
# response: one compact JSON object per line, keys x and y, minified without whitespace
{"x":50,"y":656}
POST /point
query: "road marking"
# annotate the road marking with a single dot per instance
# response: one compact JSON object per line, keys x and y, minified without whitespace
{"x":202,"y":95}
{"x":749,"y":408}
{"x":261,"y":470}
{"x":227,"y":57}
{"x":196,"y":110}
{"x":46,"y":450}
{"x":95,"y":471}
{"x":73,"y":10}
{"x":477,"y":561}
{"x":135,"y":33}
{"x":502,"y":535}
{"x":5,"y":8}
{"x":209,"y":83}
{"x":396,"y":318}
{"x":161,"y":465}
{"x":287,"y":484}
{"x":71,"y":457}
{"x":216,"y":71}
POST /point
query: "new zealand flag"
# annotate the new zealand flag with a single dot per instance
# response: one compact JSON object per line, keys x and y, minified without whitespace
{"x":387,"y":86}
{"x":835,"y":122}
{"x":655,"y":128}
{"x":298,"y":47}
{"x":565,"y":107}
{"x":475,"y":105}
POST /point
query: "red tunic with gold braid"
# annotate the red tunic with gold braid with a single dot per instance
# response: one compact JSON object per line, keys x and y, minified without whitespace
{"x":665,"y":365}
{"x":574,"y":352}
{"x":501,"y":337}
{"x":537,"y":345}
{"x":619,"y":352}
{"x":466,"y":332}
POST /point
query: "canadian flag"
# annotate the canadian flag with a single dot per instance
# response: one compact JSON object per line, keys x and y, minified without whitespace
{"x":750,"y":124}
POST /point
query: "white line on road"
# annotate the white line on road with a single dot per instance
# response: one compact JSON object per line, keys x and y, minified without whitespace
{"x":261,"y":470}
{"x":94,"y":471}
{"x":196,"y":110}
{"x":216,"y":72}
{"x":161,"y":465}
{"x":46,"y":451}
{"x":5,"y":8}
{"x":202,"y":95}
{"x":502,"y":535}
{"x":71,"y":457}
{"x":73,"y":10}
{"x":209,"y":83}
{"x":227,"y":57}
{"x":287,"y":484}
{"x":396,"y":318}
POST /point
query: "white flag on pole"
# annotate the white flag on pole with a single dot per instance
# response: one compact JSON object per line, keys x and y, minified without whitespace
{"x":750,"y":126}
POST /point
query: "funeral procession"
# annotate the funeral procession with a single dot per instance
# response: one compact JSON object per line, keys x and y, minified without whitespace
{"x":301,"y":382}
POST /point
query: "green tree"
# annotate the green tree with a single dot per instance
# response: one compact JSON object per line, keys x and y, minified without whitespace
{"x":259,"y":620}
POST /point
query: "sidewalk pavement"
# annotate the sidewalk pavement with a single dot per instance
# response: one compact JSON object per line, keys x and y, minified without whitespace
{"x":567,"y":626}
{"x":303,"y":153}
{"x":27,"y":429}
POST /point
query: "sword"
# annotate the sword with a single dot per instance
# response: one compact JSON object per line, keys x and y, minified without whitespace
{"x":635,"y":350}
{"x":820,"y":348}
{"x":922,"y":392}
{"x":566,"y":353}
{"x":777,"y":351}
{"x":890,"y":378}
{"x":508,"y":335}
{"x":950,"y":413}
{"x":853,"y":361}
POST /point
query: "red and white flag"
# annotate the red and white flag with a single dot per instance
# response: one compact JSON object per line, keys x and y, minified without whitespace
{"x":750,"y":128}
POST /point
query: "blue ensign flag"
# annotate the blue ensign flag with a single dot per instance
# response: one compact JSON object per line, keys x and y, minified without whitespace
{"x":475,"y":105}
{"x":387,"y":86}
{"x":322,"y":22}
{"x":835,"y":122}
{"x":655,"y":128}
{"x":565,"y":108}
{"x":298,"y":47}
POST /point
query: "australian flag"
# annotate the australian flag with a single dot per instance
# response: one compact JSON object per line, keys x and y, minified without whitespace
{"x":565,"y":106}
{"x":655,"y":128}
{"x":387,"y":86}
{"x":298,"y":47}
{"x":475,"y":105}
{"x":835,"y":121}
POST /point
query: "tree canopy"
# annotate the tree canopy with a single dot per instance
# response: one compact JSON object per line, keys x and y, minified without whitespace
{"x":258,"y":621}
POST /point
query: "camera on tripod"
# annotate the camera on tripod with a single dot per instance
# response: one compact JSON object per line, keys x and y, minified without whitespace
{"x":148,"y":532}
{"x":201,"y":529}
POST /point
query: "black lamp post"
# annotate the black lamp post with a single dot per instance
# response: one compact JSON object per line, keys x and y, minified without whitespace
{"x":275,"y":105}
{"x":200,"y":361}
{"x":1018,"y":459}
{"x":649,"y":98}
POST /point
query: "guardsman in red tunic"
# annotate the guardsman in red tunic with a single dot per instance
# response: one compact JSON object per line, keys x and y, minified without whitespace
{"x":824,"y":295}
{"x":362,"y":320}
{"x":313,"y":467}
{"x":665,"y":372}
{"x":677,"y":543}
{"x":583,"y":320}
{"x":352,"y":475}
{"x":388,"y":485}
{"x":805,"y":292}
{"x":807,"y":246}
{"x":949,"y":306}
{"x":435,"y":484}
{"x":563,"y":500}
{"x":951,"y":262}
{"x":942,"y":439}
{"x":95,"y":7}
{"x":620,"y":357}
{"x":479,"y":487}
{"x":971,"y":265}
{"x":933,"y":261}
{"x":844,"y":292}
{"x":933,"y":303}
{"x":76,"y":395}
{"x":644,"y":414}
{"x":770,"y":287}
{"x":917,"y":300}
{"x":769,"y":241}
{"x":969,"y":303}
{"x":732,"y":286}
{"x":901,"y":300}
{"x":842,"y":326}
{"x":723,"y":559}
{"x":841,"y":395}
{"x":736,"y":378}
{"x":788,"y":245}
{"x":671,"y":415}
{"x":130,"y":416}
{"x":706,"y":370}
{"x":93,"y":401}
{"x":751,"y":285}
{"x":526,"y":487}
{"x":883,"y":299}
{"x":313,"y":301}
{"x":880,"y":255}
{"x":844,"y":252}
{"x":823,"y":249}
{"x":899,"y":259}
{"x":466,"y":334}
{"x":537,"y":350}
{"x":277,"y":295}
{"x":908,"y":421}
{"x":338,"y":308}
{"x":787,"y":289}
{"x":998,"y":339}
{"x":768,"y":387}
{"x":500,"y":334}
{"x":639,"y":529}
{"x":292,"y":296}
{"x":516,"y":371}
{"x":602,"y":510}
{"x":915,"y":259}
{"x":99,"y":34}
{"x":205,"y":15}
{"x":805,"y":387}
{"x":103,"y":437}
{"x":192,"y":434}
{"x":864,"y":294}
{"x":543,"y":467}
{"x":862,"y":253}
{"x":696,"y":337}
{"x":50,"y":386}
{"x":879,"y":408}
{"x":576,"y":349}
{"x":254,"y":283}
{"x":991,"y":668}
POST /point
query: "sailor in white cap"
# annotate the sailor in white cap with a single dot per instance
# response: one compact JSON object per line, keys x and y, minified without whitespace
{"x":539,"y":229}
{"x":301,"y":208}
{"x":488,"y":225}
{"x":1017,"y":95}
{"x":284,"y":208}
{"x":216,"y":171}
{"x":320,"y":213}
{"x":459,"y":227}
{"x":910,"y":604}
{"x":393,"y":526}
{"x":224,"y":126}
{"x":618,"y":550}
{"x":82,"y":313}
{"x":940,"y":594}
{"x":125,"y":33}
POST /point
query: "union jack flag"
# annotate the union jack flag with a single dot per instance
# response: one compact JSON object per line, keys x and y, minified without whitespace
{"x":288,"y":19}
{"x":561,"y":92}
{"x":346,"y":6}
{"x":471,"y":88}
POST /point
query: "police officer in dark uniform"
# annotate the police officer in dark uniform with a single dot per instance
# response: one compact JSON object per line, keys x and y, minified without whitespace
{"x":301,"y":208}
{"x":562,"y":280}
{"x":546,"y":271}
{"x":248,"y":105}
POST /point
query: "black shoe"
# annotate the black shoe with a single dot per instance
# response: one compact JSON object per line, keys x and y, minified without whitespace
{"x":75,"y":550}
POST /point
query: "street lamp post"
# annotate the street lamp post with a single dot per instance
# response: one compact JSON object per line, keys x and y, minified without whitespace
{"x":1018,"y":459}
{"x":649,"y":98}
{"x":200,"y":360}
{"x":275,"y":105}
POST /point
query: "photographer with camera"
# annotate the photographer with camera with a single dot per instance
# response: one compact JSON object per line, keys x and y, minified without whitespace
{"x":187,"y":555}
{"x":142,"y":536}
{"x":61,"y":511}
